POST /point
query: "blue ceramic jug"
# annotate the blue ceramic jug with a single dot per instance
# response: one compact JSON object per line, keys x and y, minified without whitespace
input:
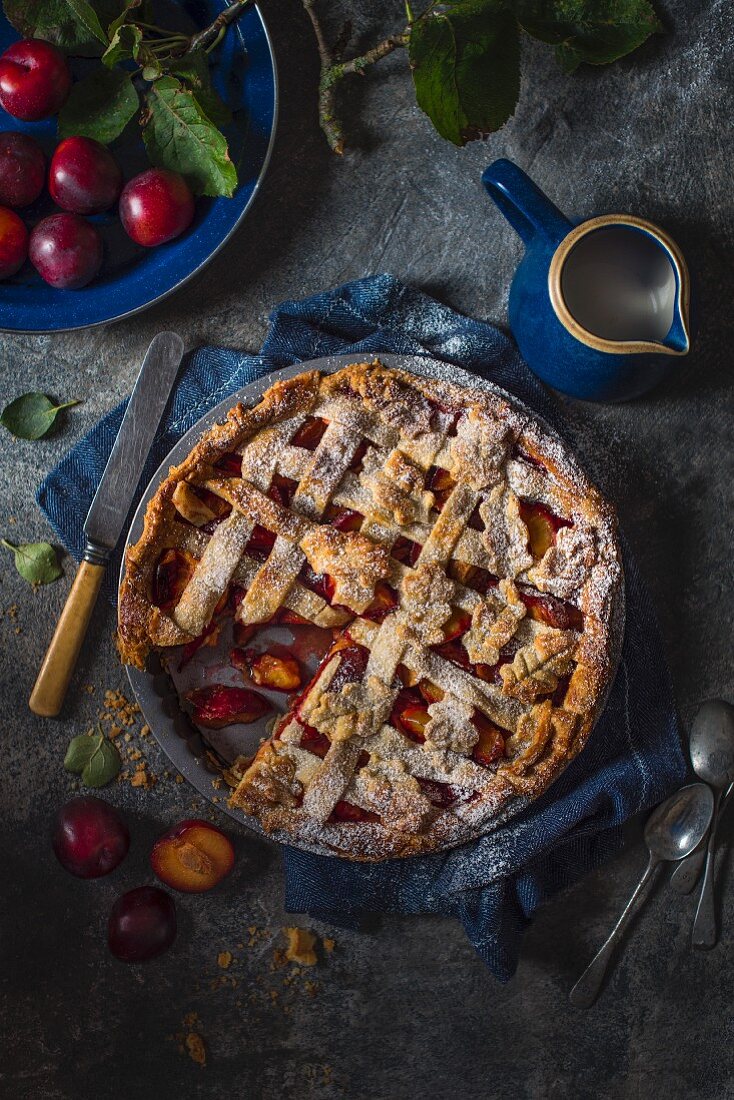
{"x":599,"y":308}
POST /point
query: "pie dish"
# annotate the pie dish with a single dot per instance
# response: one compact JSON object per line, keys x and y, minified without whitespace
{"x":468,"y":570}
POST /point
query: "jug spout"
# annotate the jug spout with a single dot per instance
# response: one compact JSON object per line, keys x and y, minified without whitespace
{"x":678,"y":340}
{"x":527,"y":209}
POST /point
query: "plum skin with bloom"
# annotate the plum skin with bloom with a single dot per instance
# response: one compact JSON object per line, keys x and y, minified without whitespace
{"x":84,"y":177}
{"x":142,"y":924}
{"x":66,"y":251}
{"x":156,"y":206}
{"x":22,"y":169}
{"x":90,"y":837}
{"x":34,"y":79}
{"x":13,"y":242}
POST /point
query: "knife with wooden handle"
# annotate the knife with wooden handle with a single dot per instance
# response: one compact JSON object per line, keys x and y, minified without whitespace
{"x":107,"y":515}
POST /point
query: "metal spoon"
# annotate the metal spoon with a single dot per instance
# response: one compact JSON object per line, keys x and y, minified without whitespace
{"x":672,"y":831}
{"x":686,"y":874}
{"x":712,"y":756}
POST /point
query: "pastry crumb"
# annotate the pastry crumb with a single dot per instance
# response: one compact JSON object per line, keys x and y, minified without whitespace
{"x":300,"y":948}
{"x":224,"y":959}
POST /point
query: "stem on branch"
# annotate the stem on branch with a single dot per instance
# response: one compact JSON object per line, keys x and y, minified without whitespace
{"x":211,"y":34}
{"x":334,"y":70}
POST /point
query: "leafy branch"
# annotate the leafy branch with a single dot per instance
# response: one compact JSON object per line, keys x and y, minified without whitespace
{"x":464,"y":55}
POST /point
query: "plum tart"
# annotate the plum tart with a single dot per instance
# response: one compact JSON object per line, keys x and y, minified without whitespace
{"x":468,"y":571}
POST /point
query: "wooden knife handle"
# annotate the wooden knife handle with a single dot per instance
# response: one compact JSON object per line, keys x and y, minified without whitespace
{"x":51,"y":685}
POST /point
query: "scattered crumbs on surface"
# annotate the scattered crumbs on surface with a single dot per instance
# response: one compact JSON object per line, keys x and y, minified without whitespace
{"x":113,"y":732}
{"x":179,"y":779}
{"x":329,"y":944}
{"x":145,"y":730}
{"x":279,"y":959}
{"x":217,"y":783}
{"x":225,"y":959}
{"x":300,"y":948}
{"x":190,"y":1040}
{"x":311,"y":988}
{"x":89,"y":688}
{"x":195,"y":1048}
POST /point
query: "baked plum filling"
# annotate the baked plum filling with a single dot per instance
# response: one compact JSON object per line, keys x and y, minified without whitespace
{"x":472,"y":576}
{"x":218,"y":705}
{"x":230,"y":464}
{"x":172,"y":573}
{"x":405,"y":550}
{"x":543,"y":525}
{"x":551,"y":611}
{"x":344,"y":519}
{"x":277,"y":671}
{"x":440,"y":483}
{"x":310,"y":433}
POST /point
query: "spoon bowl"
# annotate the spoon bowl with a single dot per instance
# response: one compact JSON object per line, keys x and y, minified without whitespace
{"x":712,"y":743}
{"x":678,"y":825}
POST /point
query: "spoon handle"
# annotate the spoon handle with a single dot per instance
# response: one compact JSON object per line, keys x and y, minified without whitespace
{"x":685,"y":876}
{"x":704,"y":923}
{"x":586,"y":990}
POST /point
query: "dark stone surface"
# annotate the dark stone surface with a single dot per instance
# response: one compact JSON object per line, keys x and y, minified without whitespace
{"x":404,"y":1009}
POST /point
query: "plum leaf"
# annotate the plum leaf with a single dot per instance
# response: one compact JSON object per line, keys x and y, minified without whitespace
{"x":99,"y":106}
{"x":179,"y":136}
{"x":31,"y":415}
{"x":465,"y":59}
{"x":72,"y":25}
{"x":93,"y":757}
{"x":592,"y":31}
{"x":35,"y":561}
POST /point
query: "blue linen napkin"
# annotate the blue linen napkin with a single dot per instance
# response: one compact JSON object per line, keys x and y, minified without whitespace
{"x":634,"y":756}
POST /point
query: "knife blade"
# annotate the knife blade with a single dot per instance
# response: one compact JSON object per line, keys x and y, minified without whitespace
{"x":114,"y":495}
{"x":107,"y":515}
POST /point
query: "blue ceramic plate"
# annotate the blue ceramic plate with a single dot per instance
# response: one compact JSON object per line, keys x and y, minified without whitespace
{"x":133,"y":278}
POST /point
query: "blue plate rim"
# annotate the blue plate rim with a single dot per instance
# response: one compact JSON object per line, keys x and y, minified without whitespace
{"x":228,"y":236}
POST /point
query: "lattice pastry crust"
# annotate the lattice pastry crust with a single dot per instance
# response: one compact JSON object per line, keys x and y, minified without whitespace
{"x":474,"y":595}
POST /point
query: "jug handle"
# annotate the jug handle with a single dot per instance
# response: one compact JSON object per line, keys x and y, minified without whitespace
{"x":527,"y":209}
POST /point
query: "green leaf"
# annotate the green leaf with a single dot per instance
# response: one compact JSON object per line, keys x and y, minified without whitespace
{"x":31,"y":415}
{"x":104,"y":764}
{"x":95,"y":758}
{"x":466,"y":67}
{"x":594,"y":31}
{"x":124,"y":45}
{"x":73,"y":25}
{"x":122,"y":18}
{"x":80,"y":751}
{"x":193,"y":70}
{"x":88,"y":18}
{"x":100,"y":106}
{"x":178,"y":135}
{"x":35,"y":561}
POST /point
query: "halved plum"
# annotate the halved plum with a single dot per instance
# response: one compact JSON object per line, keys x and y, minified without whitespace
{"x":192,"y":857}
